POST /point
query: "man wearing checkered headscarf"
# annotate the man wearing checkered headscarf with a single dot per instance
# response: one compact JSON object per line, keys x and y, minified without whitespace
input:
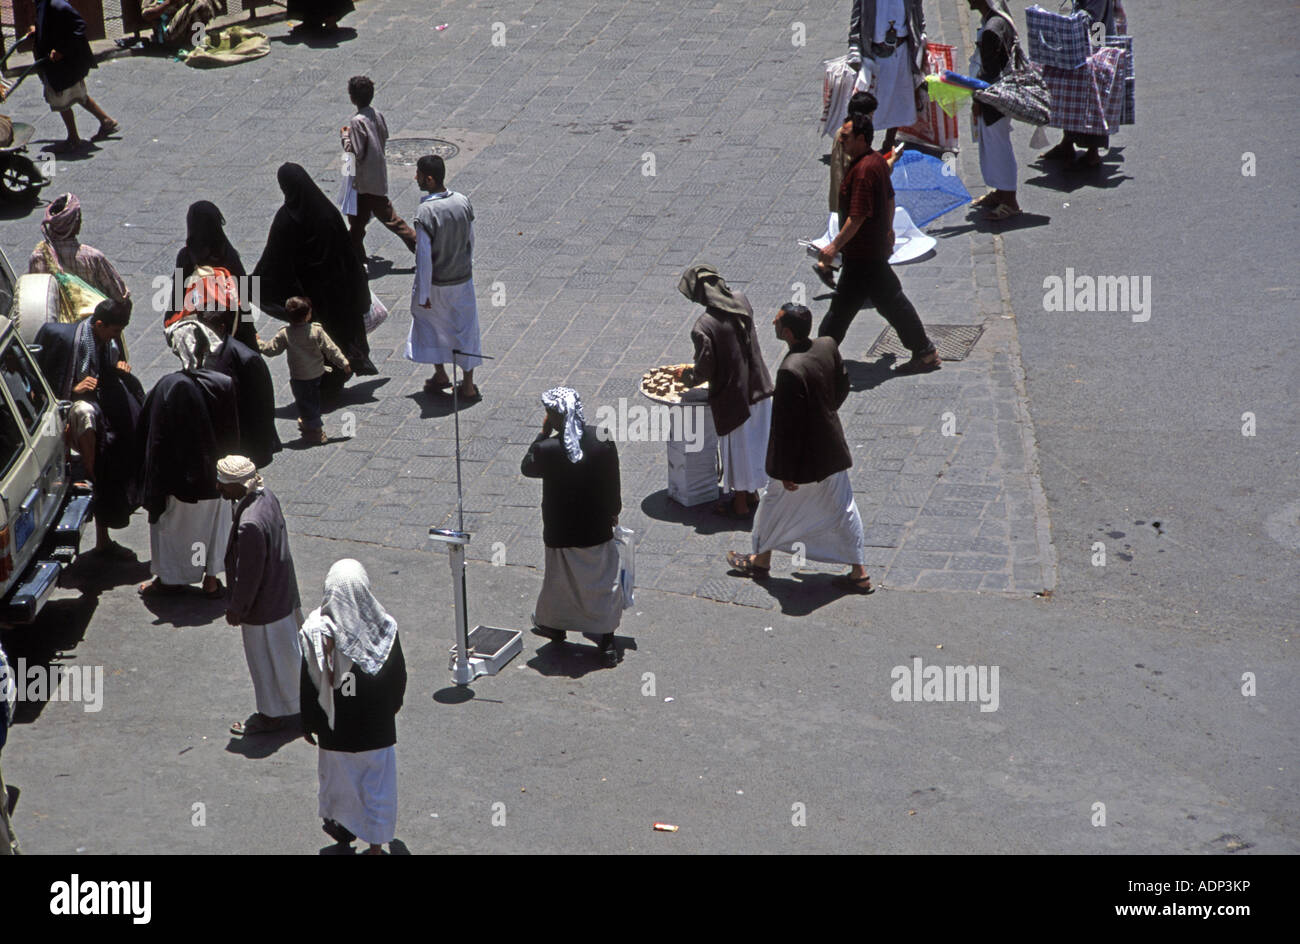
{"x":581,"y":500}
{"x":263,"y":599}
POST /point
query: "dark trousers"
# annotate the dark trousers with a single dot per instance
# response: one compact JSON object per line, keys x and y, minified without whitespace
{"x":306,"y":394}
{"x":874,"y":281}
{"x":372,"y":204}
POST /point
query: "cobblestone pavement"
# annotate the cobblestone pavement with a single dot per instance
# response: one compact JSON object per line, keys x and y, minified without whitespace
{"x":558,"y":129}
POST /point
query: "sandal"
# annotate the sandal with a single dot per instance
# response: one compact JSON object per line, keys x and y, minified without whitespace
{"x":853,"y":584}
{"x":982,"y":200}
{"x":433,"y":386}
{"x":106,"y":129}
{"x":727,"y":509}
{"x":920,"y":365}
{"x":826,"y":274}
{"x":464,"y":397}
{"x":257,"y":723}
{"x":337,"y":831}
{"x":744,"y":563}
{"x":1003,"y":211}
{"x":156,"y":588}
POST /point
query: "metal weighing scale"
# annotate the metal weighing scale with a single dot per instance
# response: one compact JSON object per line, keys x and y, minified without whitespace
{"x":485,"y":649}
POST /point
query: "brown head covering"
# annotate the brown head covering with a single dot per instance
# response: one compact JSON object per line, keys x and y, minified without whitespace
{"x":62,"y":218}
{"x":703,"y":285}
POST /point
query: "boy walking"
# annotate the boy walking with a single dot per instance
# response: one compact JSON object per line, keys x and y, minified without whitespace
{"x":309,"y":348}
{"x":364,"y":138}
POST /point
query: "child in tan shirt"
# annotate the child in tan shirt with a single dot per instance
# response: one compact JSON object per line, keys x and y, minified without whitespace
{"x":309,"y":348}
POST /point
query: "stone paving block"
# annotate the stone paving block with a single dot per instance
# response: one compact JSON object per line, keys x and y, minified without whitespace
{"x":949,"y":580}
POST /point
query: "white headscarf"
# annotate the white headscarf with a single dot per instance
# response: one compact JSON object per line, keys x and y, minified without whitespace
{"x":361,"y":628}
{"x":238,"y":470}
{"x":192,"y":341}
{"x":564,"y":401}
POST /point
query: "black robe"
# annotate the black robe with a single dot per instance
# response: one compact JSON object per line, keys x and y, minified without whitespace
{"x":59,"y":26}
{"x":807,"y":443}
{"x":308,"y":252}
{"x":316,"y":12}
{"x":117,"y":401}
{"x":190,"y":421}
{"x":579,"y":499}
{"x":255,"y":394}
{"x":365,"y":720}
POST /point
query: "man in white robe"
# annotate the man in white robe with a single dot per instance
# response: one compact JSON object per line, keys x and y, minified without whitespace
{"x":809,"y":499}
{"x":444,"y":311}
{"x":887,"y":39}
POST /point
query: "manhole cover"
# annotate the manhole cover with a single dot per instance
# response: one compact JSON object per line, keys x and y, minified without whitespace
{"x":953,"y":341}
{"x":406,"y":151}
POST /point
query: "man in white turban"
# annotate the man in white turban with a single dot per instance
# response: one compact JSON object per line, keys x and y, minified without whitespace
{"x":263,"y":595}
{"x":353,"y":681}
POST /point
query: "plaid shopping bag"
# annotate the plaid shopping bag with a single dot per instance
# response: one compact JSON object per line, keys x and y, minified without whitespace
{"x":1058,"y":40}
{"x":1089,"y":100}
{"x":1128,"y":112}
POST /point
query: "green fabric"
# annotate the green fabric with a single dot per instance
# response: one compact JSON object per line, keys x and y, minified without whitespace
{"x":946,"y":96}
{"x":228,"y":46}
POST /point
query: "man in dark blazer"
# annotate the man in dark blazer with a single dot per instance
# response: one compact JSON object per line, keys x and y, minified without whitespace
{"x":808,"y":508}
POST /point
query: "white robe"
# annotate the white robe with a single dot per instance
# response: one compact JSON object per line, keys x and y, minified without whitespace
{"x":275,"y":662}
{"x":359,"y":790}
{"x":188,"y":541}
{"x":891,"y":81}
{"x":581,"y":591}
{"x":997,"y":156}
{"x":822,"y":517}
{"x":451,"y":321}
{"x":744,"y":450}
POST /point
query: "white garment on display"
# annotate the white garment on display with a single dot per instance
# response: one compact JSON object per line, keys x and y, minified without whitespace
{"x":359,"y":790}
{"x":744,"y":450}
{"x":822,"y":516}
{"x":890,"y":80}
{"x":275,"y":663}
{"x":187,"y":532}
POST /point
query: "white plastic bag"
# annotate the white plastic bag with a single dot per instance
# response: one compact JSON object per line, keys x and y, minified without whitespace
{"x":377,"y":314}
{"x":347,"y":199}
{"x":625,"y":538}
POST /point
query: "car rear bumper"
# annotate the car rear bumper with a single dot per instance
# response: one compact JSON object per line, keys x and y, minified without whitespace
{"x":25,"y":600}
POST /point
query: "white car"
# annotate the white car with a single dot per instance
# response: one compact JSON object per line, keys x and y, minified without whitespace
{"x":42,"y":514}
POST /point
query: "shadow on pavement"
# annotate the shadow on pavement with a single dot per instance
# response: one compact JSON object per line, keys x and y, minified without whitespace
{"x":46,"y":643}
{"x":436,"y":406}
{"x":800,"y":594}
{"x":867,"y":376}
{"x":981,"y":225}
{"x":572,"y":660}
{"x":1067,"y":178}
{"x":187,"y":607}
{"x":302,"y":35}
{"x":378,"y":267}
{"x":258,"y":746}
{"x":702,"y":518}
{"x":360,"y":391}
{"x":454,"y":695}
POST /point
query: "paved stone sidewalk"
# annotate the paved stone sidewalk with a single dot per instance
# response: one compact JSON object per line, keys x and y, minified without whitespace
{"x":559,"y":127}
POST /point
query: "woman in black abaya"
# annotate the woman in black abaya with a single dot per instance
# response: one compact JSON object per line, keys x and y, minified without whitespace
{"x":308,"y":253}
{"x":316,"y":14}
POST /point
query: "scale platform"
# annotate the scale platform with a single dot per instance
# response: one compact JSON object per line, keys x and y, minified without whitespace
{"x":490,"y":648}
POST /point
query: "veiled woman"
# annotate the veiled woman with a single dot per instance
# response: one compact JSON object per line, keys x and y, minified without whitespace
{"x":207,"y":246}
{"x":308,"y":253}
{"x":317,"y":14}
{"x":353,"y":680}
